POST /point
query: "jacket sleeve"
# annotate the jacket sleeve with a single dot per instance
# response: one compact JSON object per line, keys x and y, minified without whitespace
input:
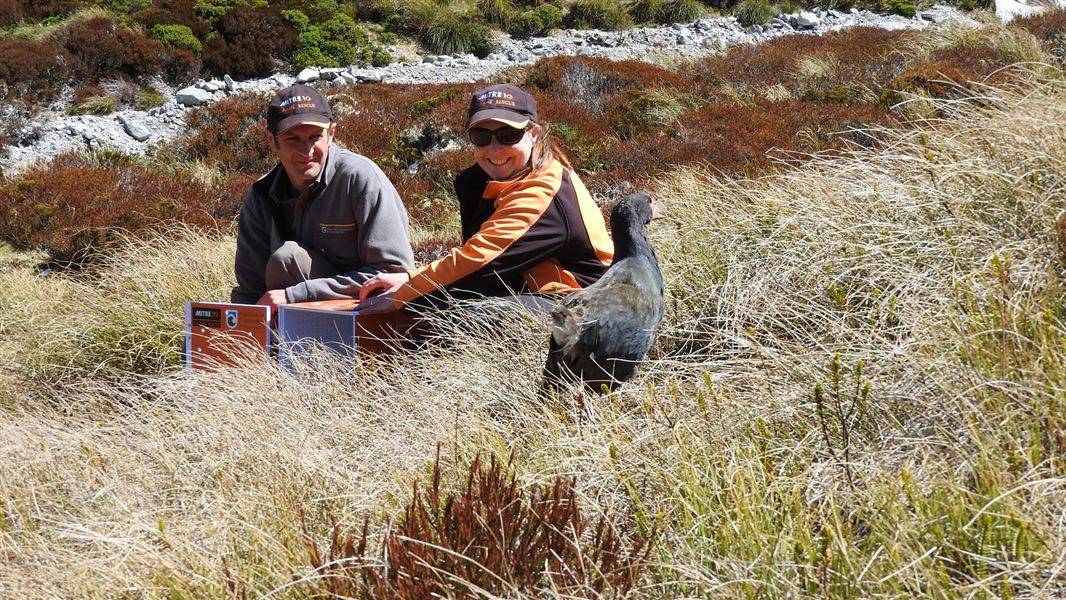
{"x":507,"y":243}
{"x":253,"y":250}
{"x":382,"y":238}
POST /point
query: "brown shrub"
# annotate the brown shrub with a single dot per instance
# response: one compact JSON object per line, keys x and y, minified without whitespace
{"x":736,"y":138}
{"x":179,"y":65}
{"x":950,"y":72}
{"x":71,"y":207}
{"x":230,"y":134}
{"x":32,"y":70}
{"x":591,"y":82}
{"x":491,"y":536}
{"x":859,"y":55}
{"x":247,"y":41}
{"x":172,"y":12}
{"x":10,"y":12}
{"x":431,"y":249}
{"x":1048,"y":26}
{"x":373,"y":116}
{"x":974,"y":64}
{"x":428,"y":194}
{"x":101,"y":51}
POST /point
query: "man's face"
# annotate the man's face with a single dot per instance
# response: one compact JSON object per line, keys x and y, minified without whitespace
{"x":302,"y":150}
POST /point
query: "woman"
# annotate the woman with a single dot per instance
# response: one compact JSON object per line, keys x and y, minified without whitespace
{"x":529,"y":226}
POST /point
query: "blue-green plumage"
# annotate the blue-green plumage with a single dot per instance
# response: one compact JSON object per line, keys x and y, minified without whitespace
{"x":601,"y":333}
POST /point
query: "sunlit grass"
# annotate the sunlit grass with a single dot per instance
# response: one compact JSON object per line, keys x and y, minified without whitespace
{"x":858,"y":391}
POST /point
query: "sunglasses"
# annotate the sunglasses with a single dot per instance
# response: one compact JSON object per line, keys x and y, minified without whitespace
{"x":508,"y":136}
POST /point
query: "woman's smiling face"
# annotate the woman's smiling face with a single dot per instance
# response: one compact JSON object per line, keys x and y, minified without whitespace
{"x":502,"y":161}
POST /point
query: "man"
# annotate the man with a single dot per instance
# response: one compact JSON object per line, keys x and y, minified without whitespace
{"x":323,"y":221}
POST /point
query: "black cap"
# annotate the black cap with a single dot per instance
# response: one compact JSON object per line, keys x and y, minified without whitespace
{"x":297,"y":105}
{"x":504,"y":102}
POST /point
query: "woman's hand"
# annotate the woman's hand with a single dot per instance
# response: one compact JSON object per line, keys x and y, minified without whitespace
{"x":385,"y":283}
{"x":382,"y":303}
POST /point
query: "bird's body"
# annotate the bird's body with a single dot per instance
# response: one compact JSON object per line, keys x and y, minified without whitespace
{"x":601,"y":333}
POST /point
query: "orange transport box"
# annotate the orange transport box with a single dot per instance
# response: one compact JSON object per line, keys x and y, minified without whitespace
{"x":337,"y":324}
{"x":217,"y":333}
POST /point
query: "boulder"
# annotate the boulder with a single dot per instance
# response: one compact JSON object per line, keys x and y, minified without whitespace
{"x":307,"y":75}
{"x":230,"y":84}
{"x":193,"y":96}
{"x":134,"y":129}
{"x":807,"y":20}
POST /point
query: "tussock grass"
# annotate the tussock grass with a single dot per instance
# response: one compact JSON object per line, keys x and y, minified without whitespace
{"x":125,"y":314}
{"x":858,"y":392}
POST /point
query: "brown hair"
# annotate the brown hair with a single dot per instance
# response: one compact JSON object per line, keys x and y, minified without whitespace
{"x":545,"y":150}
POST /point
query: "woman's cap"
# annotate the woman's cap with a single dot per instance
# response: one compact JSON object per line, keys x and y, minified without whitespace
{"x":297,"y":105}
{"x":504,"y":102}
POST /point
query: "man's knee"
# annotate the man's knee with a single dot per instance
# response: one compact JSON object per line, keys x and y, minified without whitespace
{"x":288,"y":265}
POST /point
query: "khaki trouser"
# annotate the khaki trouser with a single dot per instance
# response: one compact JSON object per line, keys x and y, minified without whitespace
{"x":292,"y":264}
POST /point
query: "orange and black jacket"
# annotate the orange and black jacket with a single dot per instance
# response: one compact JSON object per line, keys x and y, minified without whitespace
{"x":542,"y":233}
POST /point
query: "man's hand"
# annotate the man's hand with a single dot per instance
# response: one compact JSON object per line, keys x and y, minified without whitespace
{"x":382,"y":303}
{"x":387,"y":283}
{"x":273,"y":299}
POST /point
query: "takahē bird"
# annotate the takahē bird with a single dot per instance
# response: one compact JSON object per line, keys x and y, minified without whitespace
{"x":601,"y":333}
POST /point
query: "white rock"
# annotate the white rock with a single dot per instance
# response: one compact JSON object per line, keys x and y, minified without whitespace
{"x":307,"y":75}
{"x":807,"y":19}
{"x":134,"y":129}
{"x":230,"y":84}
{"x":193,"y":96}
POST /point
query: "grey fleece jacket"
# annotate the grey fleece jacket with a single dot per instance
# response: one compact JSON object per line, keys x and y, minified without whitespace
{"x":352,"y":215}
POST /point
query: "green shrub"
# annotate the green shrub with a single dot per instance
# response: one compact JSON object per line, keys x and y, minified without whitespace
{"x":380,"y":57}
{"x":680,"y":11}
{"x":899,"y":7}
{"x":974,"y":4}
{"x":310,"y":56}
{"x":377,"y":11}
{"x":597,"y":14}
{"x":213,"y":10}
{"x":536,"y":21}
{"x":175,"y":13}
{"x":498,"y":12}
{"x":321,"y":10}
{"x":335,"y":43}
{"x":448,"y":28}
{"x":148,"y":98}
{"x":177,"y":36}
{"x":124,"y":7}
{"x":296,"y":19}
{"x":644,"y":11}
{"x":753,"y":12}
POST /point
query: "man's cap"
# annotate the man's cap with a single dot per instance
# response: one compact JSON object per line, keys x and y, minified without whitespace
{"x":504,"y":102}
{"x":297,"y":105}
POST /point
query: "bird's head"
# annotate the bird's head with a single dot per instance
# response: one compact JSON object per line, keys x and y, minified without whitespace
{"x":637,"y":207}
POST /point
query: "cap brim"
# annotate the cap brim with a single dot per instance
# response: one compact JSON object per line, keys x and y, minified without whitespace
{"x":502,"y":116}
{"x":295,"y":120}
